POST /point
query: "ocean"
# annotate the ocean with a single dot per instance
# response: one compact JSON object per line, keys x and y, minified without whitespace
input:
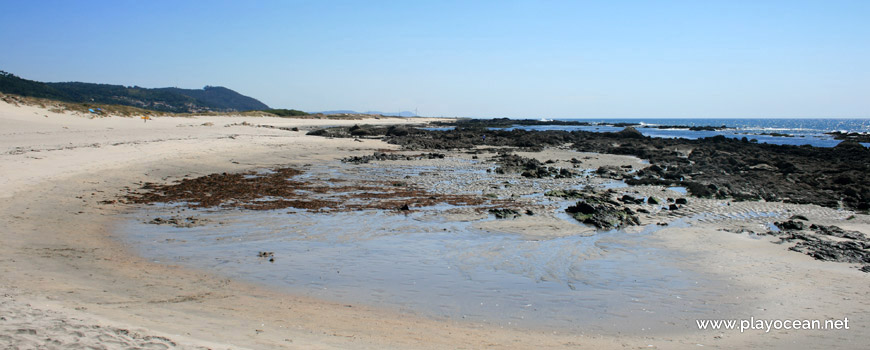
{"x":801,"y":131}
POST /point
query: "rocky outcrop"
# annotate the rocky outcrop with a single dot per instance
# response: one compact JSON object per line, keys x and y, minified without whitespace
{"x":600,"y":211}
{"x":565,"y":193}
{"x":381,"y":156}
{"x":849,"y":247}
{"x":529,"y":167}
{"x":789,"y":225}
{"x":850,"y":136}
{"x":629,"y":133}
{"x":715,"y":167}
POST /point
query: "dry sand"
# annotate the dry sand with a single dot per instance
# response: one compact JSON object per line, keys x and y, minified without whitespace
{"x":67,"y":283}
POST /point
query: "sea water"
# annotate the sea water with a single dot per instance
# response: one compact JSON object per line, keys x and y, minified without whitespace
{"x":802,"y":131}
{"x":419,"y":264}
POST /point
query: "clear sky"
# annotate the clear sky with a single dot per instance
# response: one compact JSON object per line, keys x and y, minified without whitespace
{"x":555,"y":59}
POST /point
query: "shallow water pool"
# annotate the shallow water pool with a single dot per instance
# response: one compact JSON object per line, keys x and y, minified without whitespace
{"x":420,"y":264}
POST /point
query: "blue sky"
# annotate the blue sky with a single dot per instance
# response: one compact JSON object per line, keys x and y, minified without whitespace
{"x":555,"y":59}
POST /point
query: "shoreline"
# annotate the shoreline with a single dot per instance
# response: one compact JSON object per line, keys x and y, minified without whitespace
{"x":57,"y":254}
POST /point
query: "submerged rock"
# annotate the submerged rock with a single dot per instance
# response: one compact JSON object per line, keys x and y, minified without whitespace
{"x":564,"y":193}
{"x":180,"y":222}
{"x":267,"y":255}
{"x":381,"y":156}
{"x":504,"y":213}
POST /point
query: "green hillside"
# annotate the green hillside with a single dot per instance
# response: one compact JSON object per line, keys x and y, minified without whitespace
{"x":208,"y":99}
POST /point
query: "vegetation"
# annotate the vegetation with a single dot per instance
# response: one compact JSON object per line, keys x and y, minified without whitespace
{"x":99,"y":109}
{"x":175,"y":100}
{"x":286,"y":112}
{"x":106,"y":110}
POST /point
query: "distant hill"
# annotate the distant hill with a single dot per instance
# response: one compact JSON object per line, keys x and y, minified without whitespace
{"x":208,"y":99}
{"x":395,"y":114}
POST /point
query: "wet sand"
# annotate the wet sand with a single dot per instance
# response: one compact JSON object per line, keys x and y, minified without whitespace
{"x":66,"y":277}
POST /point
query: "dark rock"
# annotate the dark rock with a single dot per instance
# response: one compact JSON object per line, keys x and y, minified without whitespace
{"x":180,"y":222}
{"x":318,"y":132}
{"x":504,"y":213}
{"x":850,"y":136}
{"x":799,"y":217}
{"x":610,"y":171}
{"x":405,"y":207}
{"x":529,"y":167}
{"x":599,"y":211}
{"x":848,"y":251}
{"x":700,"y":190}
{"x":853,"y":247}
{"x":851,"y":145}
{"x":381,"y":156}
{"x":673,"y":207}
{"x":653,"y":201}
{"x":795,"y":174}
{"x":631,"y":200}
{"x":629,"y":133}
{"x":581,"y":207}
{"x":360,"y":132}
{"x":835,"y":231}
{"x":693,"y":128}
{"x":789,"y":225}
{"x":397,"y":131}
{"x":682,"y":201}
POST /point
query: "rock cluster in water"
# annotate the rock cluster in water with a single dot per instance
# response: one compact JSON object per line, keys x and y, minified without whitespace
{"x":180,"y":222}
{"x":717,"y":167}
{"x":850,"y":136}
{"x":504,"y":213}
{"x":382,"y":156}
